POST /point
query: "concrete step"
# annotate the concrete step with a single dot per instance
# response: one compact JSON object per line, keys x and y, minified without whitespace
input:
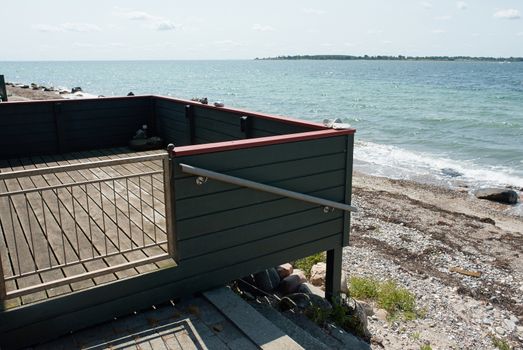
{"x":272,"y":330}
{"x":335,"y":339}
{"x":261,"y":331}
{"x":297,"y":333}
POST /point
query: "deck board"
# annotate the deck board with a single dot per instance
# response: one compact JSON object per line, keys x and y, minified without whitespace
{"x":94,"y":219}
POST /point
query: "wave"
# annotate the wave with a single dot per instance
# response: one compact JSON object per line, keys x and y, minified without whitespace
{"x":395,"y":162}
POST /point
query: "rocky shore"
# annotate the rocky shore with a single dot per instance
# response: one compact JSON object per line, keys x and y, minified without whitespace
{"x":462,"y":258}
{"x":27,"y":92}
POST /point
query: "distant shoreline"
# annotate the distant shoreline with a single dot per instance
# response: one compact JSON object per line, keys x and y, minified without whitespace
{"x":394,"y":58}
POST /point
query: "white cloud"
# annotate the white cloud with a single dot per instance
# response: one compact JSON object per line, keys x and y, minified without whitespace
{"x":80,"y":27}
{"x":165,"y":25}
{"x":139,"y":16}
{"x":349,"y":44}
{"x":155,"y":22}
{"x":387,"y":42}
{"x":426,"y":4}
{"x":68,"y":27}
{"x":312,"y":11}
{"x":462,"y":5}
{"x":47,"y":28}
{"x":507,"y":14}
{"x":262,"y":28}
{"x":519,"y":34}
{"x":438,"y":31}
{"x":443,"y":18}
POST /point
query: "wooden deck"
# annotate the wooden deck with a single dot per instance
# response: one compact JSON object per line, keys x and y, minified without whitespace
{"x":61,"y":226}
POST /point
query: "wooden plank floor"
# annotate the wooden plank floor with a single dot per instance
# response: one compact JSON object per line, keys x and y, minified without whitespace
{"x":61,"y":226}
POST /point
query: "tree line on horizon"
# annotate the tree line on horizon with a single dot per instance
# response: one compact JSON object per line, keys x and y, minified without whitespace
{"x":394,"y":58}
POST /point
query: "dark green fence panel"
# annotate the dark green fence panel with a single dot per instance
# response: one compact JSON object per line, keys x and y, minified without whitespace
{"x":171,"y":122}
{"x":27,"y":129}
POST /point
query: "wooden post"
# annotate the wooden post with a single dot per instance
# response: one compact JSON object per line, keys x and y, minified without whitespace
{"x":3,"y":89}
{"x":333,"y":275}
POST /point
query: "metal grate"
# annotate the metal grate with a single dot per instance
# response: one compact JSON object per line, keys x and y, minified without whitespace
{"x":53,"y":228}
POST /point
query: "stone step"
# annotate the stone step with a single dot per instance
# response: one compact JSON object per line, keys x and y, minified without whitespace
{"x":336,"y":339}
{"x":261,"y":331}
{"x":297,"y":333}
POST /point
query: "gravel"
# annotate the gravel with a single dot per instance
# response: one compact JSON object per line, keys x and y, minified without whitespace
{"x":415,"y":240}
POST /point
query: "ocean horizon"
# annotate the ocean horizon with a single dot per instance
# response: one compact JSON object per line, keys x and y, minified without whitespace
{"x":449,"y":123}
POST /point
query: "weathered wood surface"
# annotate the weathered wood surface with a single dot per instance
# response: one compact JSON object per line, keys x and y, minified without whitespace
{"x":79,"y":222}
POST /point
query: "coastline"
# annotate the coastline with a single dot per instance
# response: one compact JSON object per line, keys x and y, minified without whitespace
{"x":416,"y":234}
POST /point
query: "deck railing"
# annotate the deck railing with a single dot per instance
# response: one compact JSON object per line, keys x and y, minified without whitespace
{"x":78,"y":230}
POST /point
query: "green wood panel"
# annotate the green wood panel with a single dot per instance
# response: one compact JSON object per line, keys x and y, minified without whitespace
{"x":7,"y":110}
{"x":171,"y":123}
{"x":269,"y":173}
{"x":276,"y":127}
{"x":249,"y":157}
{"x":275,"y":225}
{"x":242,"y":216}
{"x":103,"y":104}
{"x":242,"y":197}
{"x":209,"y":136}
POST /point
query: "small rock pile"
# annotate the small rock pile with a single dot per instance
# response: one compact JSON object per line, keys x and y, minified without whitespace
{"x":292,"y":291}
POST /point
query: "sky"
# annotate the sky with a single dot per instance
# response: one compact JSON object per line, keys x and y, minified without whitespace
{"x":233,"y":29}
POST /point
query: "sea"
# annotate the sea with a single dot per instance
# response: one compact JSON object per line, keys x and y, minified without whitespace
{"x":457,"y":124}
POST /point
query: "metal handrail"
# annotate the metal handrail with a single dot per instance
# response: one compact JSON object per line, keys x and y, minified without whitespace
{"x":189,"y":169}
{"x":79,"y":183}
{"x":80,"y":166}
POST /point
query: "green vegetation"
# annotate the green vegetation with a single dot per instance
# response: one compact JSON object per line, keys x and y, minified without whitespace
{"x":305,"y":264}
{"x":395,"y":58}
{"x":416,"y":336}
{"x":341,"y":314}
{"x":500,"y":343}
{"x":398,"y":301}
{"x":425,"y":347}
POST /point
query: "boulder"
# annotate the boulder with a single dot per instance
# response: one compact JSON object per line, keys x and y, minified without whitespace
{"x":307,"y":288}
{"x":76,"y":89}
{"x":501,"y":195}
{"x":356,"y":319}
{"x":318,"y":272}
{"x":267,"y":280}
{"x":381,"y":314}
{"x":451,"y":172}
{"x":284,"y":270}
{"x":291,"y":283}
{"x":369,"y":311}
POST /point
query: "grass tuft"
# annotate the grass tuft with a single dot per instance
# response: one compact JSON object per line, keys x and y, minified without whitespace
{"x":305,"y":264}
{"x":501,"y":344}
{"x":398,"y":301}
